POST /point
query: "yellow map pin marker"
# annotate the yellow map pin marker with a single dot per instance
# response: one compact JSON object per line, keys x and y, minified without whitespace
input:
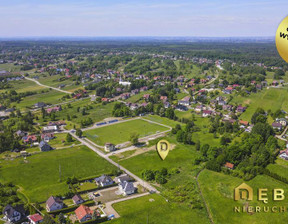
{"x":281,"y":39}
{"x":163,"y":148}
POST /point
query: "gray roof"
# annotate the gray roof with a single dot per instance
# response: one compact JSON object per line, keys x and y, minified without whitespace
{"x":103,"y":179}
{"x":124,"y":177}
{"x":127,"y":186}
{"x":77,"y":198}
{"x":9,"y":210}
{"x":53,"y":200}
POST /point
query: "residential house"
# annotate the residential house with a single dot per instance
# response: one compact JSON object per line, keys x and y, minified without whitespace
{"x":44,"y":147}
{"x":47,"y":137}
{"x":167,"y":105}
{"x":245,"y":123}
{"x":53,"y":204}
{"x":284,"y":154}
{"x":185,"y":101}
{"x":104,"y":180}
{"x":83,"y":213}
{"x":146,"y":96}
{"x":30,"y":139}
{"x":49,"y":129}
{"x":20,"y":133}
{"x":35,"y":218}
{"x":240,"y":109}
{"x":109,"y":147}
{"x":13,"y":214}
{"x":282,"y":121}
{"x":53,"y":109}
{"x":163,"y":98}
{"x":77,"y":199}
{"x":40,"y":105}
{"x":126,"y":188}
{"x":199,"y":108}
{"x":277,"y":126}
{"x":206,"y":113}
{"x":123,"y":177}
{"x":229,"y":165}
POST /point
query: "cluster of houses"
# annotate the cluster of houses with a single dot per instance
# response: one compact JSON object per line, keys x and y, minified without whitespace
{"x":47,"y":134}
{"x":83,"y":213}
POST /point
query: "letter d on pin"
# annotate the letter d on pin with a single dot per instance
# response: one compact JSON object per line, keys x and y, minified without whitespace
{"x":163,"y":148}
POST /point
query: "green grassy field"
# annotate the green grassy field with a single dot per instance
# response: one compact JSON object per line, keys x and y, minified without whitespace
{"x":24,"y":86}
{"x":280,"y":167}
{"x":163,"y":120}
{"x":97,"y":113}
{"x":267,"y":99}
{"x":121,"y":132}
{"x":39,"y":176}
{"x":181,"y":157}
{"x":51,"y":97}
{"x":154,"y":209}
{"x":60,"y":141}
{"x":218,"y":191}
{"x":10,"y":67}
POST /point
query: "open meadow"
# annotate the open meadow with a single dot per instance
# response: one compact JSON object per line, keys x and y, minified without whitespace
{"x":218,"y":191}
{"x":38,"y":176}
{"x":273,"y":99}
{"x":154,"y":209}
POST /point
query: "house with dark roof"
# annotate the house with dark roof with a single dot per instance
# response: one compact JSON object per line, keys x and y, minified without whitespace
{"x":40,"y":105}
{"x":44,"y":146}
{"x":122,"y":178}
{"x":77,"y":199}
{"x":277,"y":126}
{"x":13,"y":214}
{"x":104,"y":180}
{"x":53,"y":204}
{"x":35,"y":218}
{"x":126,"y":188}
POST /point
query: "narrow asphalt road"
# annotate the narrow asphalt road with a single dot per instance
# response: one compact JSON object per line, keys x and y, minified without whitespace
{"x":38,"y":83}
{"x":100,"y":153}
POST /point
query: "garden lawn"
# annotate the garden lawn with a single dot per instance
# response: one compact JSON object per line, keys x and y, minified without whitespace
{"x":121,"y":132}
{"x":154,"y":209}
{"x":39,"y":176}
{"x":218,"y":191}
{"x":60,"y":141}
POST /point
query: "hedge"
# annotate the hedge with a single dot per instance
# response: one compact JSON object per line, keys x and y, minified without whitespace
{"x":71,"y":208}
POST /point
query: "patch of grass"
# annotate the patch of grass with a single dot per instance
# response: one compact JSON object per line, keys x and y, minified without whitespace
{"x":51,"y":97}
{"x":121,"y":132}
{"x":218,"y":191}
{"x":155,"y":209}
{"x":39,"y":176}
{"x":60,"y":141}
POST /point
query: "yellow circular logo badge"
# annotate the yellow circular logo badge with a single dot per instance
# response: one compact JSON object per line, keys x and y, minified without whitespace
{"x":281,"y":39}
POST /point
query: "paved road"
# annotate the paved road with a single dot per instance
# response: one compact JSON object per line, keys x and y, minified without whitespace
{"x":38,"y":83}
{"x":283,"y":133}
{"x":100,"y":153}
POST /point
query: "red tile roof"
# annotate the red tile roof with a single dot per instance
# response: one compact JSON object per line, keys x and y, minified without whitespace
{"x":82,"y":211}
{"x":35,"y":218}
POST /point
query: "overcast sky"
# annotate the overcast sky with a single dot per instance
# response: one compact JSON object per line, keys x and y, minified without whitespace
{"x":206,"y":18}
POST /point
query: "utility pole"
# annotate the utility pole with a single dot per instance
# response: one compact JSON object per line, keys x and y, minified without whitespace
{"x":60,"y":172}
